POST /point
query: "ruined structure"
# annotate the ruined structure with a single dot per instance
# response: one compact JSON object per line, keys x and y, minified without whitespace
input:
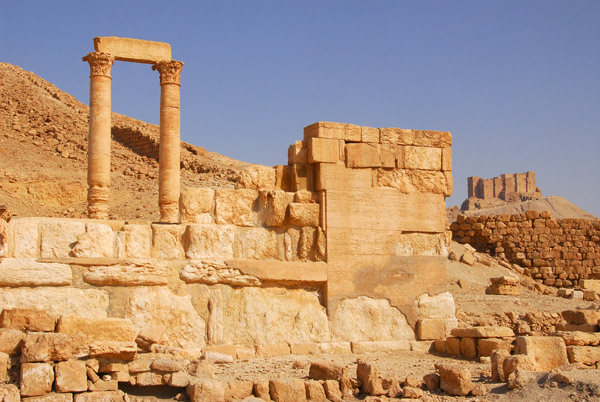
{"x":501,"y":190}
{"x":109,"y":49}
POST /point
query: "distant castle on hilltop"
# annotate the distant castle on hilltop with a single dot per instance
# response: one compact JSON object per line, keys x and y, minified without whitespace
{"x":501,"y":190}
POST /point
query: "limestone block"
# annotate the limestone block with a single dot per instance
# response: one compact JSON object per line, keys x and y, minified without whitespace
{"x":274,"y":315}
{"x":16,"y":272}
{"x":497,"y":359}
{"x":137,"y":241}
{"x":588,"y":355}
{"x":446,"y":159}
{"x":303,"y":214}
{"x":432,"y":381}
{"x":409,"y":181}
{"x":158,"y":306}
{"x":439,"y":306}
{"x":483,"y":332}
{"x":27,"y":319}
{"x":210,"y":241}
{"x":332,"y":390}
{"x":236,"y":207}
{"x":487,"y":345}
{"x":510,"y":364}
{"x":99,"y":396}
{"x":387,"y":157}
{"x":113,"y":350}
{"x":83,"y":330}
{"x":575,"y":338}
{"x":353,"y":133}
{"x":206,"y":391}
{"x":167,"y":242}
{"x":454,"y":379}
{"x":591,"y":284}
{"x":45,"y":346}
{"x":367,"y":319}
{"x":452,"y":346}
{"x":71,"y":376}
{"x":272,"y":206}
{"x":82,"y":302}
{"x":4,"y":365}
{"x":334,"y":348}
{"x":9,"y":393}
{"x":325,"y":129}
{"x":36,"y":379}
{"x":324,"y":370}
{"x":136,"y":50}
{"x":303,"y":177}
{"x":298,"y":152}
{"x":363,"y":155}
{"x":25,"y":234}
{"x":371,"y":380}
{"x":136,"y":273}
{"x":338,"y":177}
{"x":579,"y":317}
{"x":197,"y":205}
{"x":423,"y":244}
{"x":180,"y":379}
{"x":287,"y":390}
{"x":59,"y":237}
{"x":468,"y":348}
{"x":149,"y":379}
{"x":284,"y":179}
{"x":238,"y":390}
{"x":401,"y":136}
{"x":546,"y":352}
{"x":52,"y":397}
{"x":323,"y":150}
{"x":398,"y":136}
{"x":98,"y":241}
{"x":302,"y":349}
{"x":431,"y":329}
{"x":273,"y":350}
{"x":211,"y":273}
{"x":365,"y":347}
{"x":11,"y":341}
{"x":257,"y":177}
{"x":315,"y":391}
{"x":369,"y":134}
{"x":255,"y":243}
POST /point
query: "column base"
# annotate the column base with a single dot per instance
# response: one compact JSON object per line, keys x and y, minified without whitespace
{"x":98,"y":202}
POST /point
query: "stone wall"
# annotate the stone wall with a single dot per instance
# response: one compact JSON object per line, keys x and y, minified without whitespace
{"x":334,"y":250}
{"x":556,"y":252}
{"x":142,"y":142}
{"x":506,"y":188}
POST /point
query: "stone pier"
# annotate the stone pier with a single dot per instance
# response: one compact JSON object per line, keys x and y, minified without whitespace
{"x":98,"y":177}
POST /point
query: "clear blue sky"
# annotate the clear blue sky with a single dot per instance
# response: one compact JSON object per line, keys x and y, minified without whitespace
{"x":516,"y":82}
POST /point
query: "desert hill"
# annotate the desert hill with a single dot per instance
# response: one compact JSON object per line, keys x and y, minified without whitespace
{"x":43,"y":154}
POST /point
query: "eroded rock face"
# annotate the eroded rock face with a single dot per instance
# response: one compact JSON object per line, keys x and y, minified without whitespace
{"x":97,"y":242}
{"x":367,"y":319}
{"x":212,"y":273}
{"x":274,"y":315}
{"x":159,"y":306}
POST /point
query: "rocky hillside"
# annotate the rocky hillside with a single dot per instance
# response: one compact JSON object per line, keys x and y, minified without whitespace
{"x":43,"y":155}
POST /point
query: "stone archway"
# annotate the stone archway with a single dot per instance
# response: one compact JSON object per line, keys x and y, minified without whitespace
{"x":109,"y":49}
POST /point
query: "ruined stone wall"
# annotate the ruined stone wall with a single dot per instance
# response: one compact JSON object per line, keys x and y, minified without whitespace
{"x":140,"y":142}
{"x":514,"y":187}
{"x":556,"y":252}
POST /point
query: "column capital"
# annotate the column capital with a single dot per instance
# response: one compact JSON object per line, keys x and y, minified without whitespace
{"x":170,"y":71}
{"x":100,"y":63}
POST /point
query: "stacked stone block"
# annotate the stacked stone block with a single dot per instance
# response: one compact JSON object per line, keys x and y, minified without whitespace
{"x":143,"y":142}
{"x":556,"y":252}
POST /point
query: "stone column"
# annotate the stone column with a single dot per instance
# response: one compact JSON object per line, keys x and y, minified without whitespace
{"x":169,"y":151}
{"x":99,"y":140}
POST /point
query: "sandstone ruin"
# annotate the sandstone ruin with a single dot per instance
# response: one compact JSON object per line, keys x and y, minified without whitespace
{"x":501,"y":190}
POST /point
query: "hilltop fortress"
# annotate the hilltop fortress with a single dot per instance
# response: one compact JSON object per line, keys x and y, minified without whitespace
{"x":501,"y":190}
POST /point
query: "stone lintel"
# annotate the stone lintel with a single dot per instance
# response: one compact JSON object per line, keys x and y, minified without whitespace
{"x":135,"y":50}
{"x":292,"y":271}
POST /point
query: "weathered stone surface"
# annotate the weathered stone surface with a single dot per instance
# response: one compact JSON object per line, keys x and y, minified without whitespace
{"x":179,"y":379}
{"x":367,"y":319}
{"x":497,"y":360}
{"x":166,"y":365}
{"x":577,"y":338}
{"x":149,"y":379}
{"x":114,"y":350}
{"x":134,"y":241}
{"x":36,"y":379}
{"x":303,"y":214}
{"x":468,"y":348}
{"x":4,"y":365}
{"x":483,"y":332}
{"x":273,"y":350}
{"x":272,"y":206}
{"x":135,"y":50}
{"x":323,"y":150}
{"x":581,"y":317}
{"x":365,"y":347}
{"x":236,"y":207}
{"x":332,"y":390}
{"x":438,"y":306}
{"x":517,"y":362}
{"x":588,"y":355}
{"x":210,"y":242}
{"x":423,"y":158}
{"x":298,"y":152}
{"x":29,"y":272}
{"x":546,"y":352}
{"x":338,"y":348}
{"x":274,"y":315}
{"x":338,"y":177}
{"x":432,"y":381}
{"x":159,"y":306}
{"x":51,"y":397}
{"x":45,"y":346}
{"x":431,"y":329}
{"x":167,"y":242}
{"x":196,"y":205}
{"x":454,"y":379}
{"x":323,"y":370}
{"x":238,"y":390}
{"x":422,"y":244}
{"x":361,"y":155}
{"x":99,"y":396}
{"x":257,"y":177}
{"x":71,"y":376}
{"x":98,"y":241}
{"x":27,"y":319}
{"x":25,"y":233}
{"x":11,"y":341}
{"x":487,"y":345}
{"x":408,"y":181}
{"x":315,"y":391}
{"x":134,"y":273}
{"x":83,"y":331}
{"x":58,"y":301}
{"x":255,"y":243}
{"x":520,"y":378}
{"x":287,"y":390}
{"x":211,"y":273}
{"x":371,"y":380}
{"x":206,"y":391}
{"x":59,"y":237}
